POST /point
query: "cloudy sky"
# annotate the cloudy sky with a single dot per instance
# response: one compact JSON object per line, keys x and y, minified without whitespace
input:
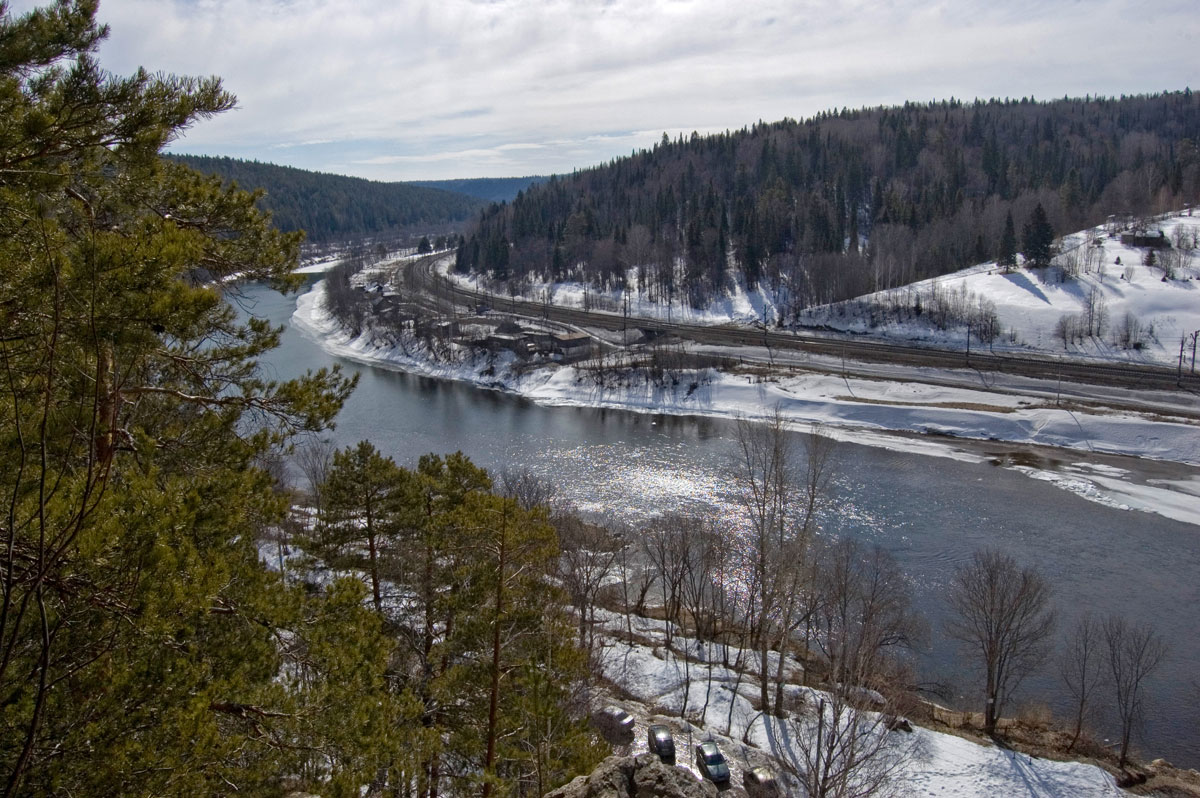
{"x":415,"y":89}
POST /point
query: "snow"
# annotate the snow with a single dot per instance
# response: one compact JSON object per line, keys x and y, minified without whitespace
{"x":886,"y":413}
{"x":855,"y":409}
{"x":1032,"y":302}
{"x":1029,"y":302}
{"x":320,"y":264}
{"x":937,"y":765}
{"x":739,"y":305}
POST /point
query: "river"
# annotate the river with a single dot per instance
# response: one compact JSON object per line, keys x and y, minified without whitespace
{"x":932,"y":513}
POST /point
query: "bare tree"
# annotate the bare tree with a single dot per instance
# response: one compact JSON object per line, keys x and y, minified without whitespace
{"x":844,"y":747}
{"x":621,"y":539}
{"x":526,"y":488}
{"x":1134,"y":652}
{"x":588,"y":557}
{"x":702,"y":555}
{"x":865,"y":614}
{"x":315,"y":459}
{"x":1003,"y":616}
{"x":765,"y":468}
{"x":274,"y":463}
{"x":1081,"y":669}
{"x":665,"y":543}
{"x":845,"y":751}
{"x":782,"y":491}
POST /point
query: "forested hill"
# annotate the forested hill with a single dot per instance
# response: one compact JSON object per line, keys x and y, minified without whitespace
{"x":846,"y":202}
{"x":490,"y":189}
{"x":336,"y":208}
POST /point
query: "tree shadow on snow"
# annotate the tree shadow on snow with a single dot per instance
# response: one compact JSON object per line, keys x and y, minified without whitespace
{"x":1022,"y":281}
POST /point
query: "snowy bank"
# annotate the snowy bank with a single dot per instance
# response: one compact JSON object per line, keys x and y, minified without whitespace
{"x":720,"y":708}
{"x":858,"y":410}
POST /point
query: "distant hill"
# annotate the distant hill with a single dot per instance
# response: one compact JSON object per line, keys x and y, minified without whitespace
{"x":337,"y":208}
{"x":845,"y":203}
{"x":490,"y":189}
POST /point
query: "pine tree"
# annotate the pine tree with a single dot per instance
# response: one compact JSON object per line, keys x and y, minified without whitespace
{"x":365,"y":496}
{"x":138,"y":649}
{"x":517,"y":662}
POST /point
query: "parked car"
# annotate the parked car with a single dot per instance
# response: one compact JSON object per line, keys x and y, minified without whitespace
{"x":760,"y":782}
{"x":712,"y":765}
{"x":614,"y":724}
{"x":660,"y":741}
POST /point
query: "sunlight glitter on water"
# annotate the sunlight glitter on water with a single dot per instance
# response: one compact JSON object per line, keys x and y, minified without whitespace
{"x":634,"y":487}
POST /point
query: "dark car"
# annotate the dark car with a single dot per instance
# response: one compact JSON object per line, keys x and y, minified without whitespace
{"x":614,"y":724}
{"x":660,"y":741}
{"x":712,"y":764}
{"x":760,"y":782}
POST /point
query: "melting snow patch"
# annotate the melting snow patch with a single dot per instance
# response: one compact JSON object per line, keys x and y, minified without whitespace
{"x":1081,"y":487}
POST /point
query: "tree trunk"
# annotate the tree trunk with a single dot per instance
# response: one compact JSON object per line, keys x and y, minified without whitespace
{"x":494,"y":697}
{"x":375,"y":594}
{"x":989,"y":706}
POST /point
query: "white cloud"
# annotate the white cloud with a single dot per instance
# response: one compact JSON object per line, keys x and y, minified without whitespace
{"x":410,"y":89}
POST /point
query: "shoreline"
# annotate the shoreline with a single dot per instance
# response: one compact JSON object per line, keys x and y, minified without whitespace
{"x":1086,"y":450}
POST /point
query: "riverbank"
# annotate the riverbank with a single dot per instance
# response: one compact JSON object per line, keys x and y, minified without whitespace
{"x":903,"y":416}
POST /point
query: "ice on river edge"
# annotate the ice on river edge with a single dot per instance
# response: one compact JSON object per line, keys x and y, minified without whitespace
{"x":862,"y":411}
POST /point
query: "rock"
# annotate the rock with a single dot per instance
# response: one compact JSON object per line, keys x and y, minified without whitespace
{"x":643,"y":776}
{"x":1160,"y":764}
{"x":1129,"y":779}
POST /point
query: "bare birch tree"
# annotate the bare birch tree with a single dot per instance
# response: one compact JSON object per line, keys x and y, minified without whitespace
{"x":526,"y":488}
{"x":315,"y":459}
{"x":702,"y":555}
{"x":659,"y":548}
{"x":865,"y":615}
{"x":588,"y":558}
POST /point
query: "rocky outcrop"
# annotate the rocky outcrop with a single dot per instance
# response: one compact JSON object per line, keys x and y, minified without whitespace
{"x":642,"y":776}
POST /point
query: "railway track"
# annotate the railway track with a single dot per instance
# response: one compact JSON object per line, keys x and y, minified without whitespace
{"x":423,"y":275}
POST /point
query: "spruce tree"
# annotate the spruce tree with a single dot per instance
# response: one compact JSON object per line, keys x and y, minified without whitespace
{"x":1006,"y":258}
{"x":1038,"y":239}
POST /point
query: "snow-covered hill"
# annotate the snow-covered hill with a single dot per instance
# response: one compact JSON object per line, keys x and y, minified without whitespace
{"x":1101,"y":299}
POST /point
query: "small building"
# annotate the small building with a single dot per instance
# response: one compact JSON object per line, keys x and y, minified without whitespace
{"x":573,"y":345}
{"x":1150,"y":239}
{"x":393,"y":310}
{"x":506,"y":342}
{"x":542,"y":341}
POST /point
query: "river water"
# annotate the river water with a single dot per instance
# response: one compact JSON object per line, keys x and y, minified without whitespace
{"x":932,"y":513}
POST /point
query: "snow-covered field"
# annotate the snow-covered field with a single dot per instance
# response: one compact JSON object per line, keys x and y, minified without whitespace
{"x":720,"y":709}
